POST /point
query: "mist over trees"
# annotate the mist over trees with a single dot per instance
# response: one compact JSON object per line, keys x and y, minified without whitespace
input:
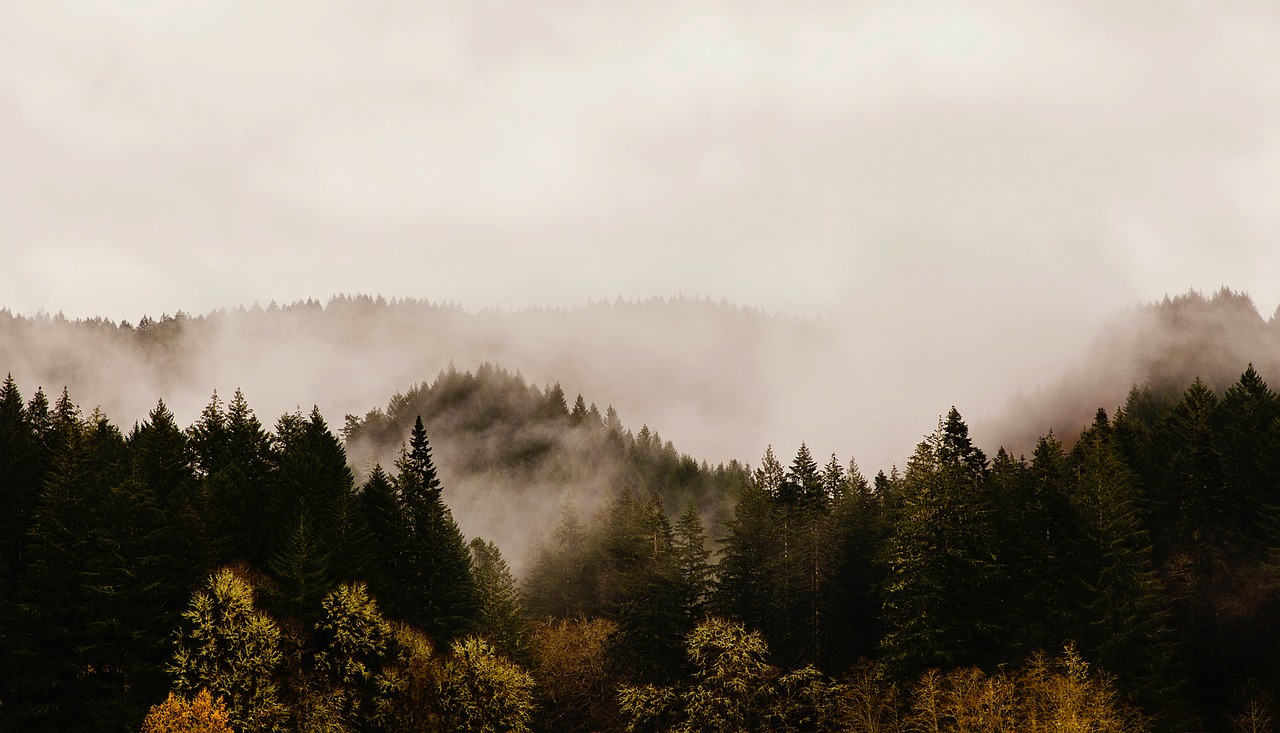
{"x":299,"y":576}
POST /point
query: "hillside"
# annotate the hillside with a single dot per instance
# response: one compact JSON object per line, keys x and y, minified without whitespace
{"x":512,"y":456}
{"x":1163,"y":346}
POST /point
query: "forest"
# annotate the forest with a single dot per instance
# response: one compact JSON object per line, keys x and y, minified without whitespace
{"x":235,"y":575}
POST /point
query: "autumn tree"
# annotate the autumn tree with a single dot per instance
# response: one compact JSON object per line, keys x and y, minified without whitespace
{"x":232,"y":649}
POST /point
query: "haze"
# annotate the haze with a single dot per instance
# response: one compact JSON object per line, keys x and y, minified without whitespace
{"x":958,"y":195}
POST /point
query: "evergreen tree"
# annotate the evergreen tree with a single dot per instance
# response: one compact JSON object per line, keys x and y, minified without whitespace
{"x":858,"y":529}
{"x":744,"y":590}
{"x":1127,"y":631}
{"x":803,"y":569}
{"x":69,"y":638}
{"x":438,"y":593}
{"x":1040,"y":531}
{"x":692,"y":562}
{"x":246,"y":477}
{"x":1192,"y":510}
{"x":315,"y":526}
{"x":942,"y":573}
{"x":353,"y":642}
{"x":579,"y":414}
{"x":563,"y":580}
{"x":1247,"y":438}
{"x":647,"y":589}
{"x":21,"y":466}
{"x":171,"y":525}
{"x":232,"y":649}
{"x":500,"y":608}
{"x":380,"y":506}
{"x":162,"y":459}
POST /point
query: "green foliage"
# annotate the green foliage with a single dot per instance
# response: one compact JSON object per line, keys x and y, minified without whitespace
{"x":730,"y":687}
{"x":314,"y":524}
{"x":942,"y":573}
{"x":692,"y":563}
{"x":648,"y":591}
{"x":353,"y":642}
{"x":562,"y":581}
{"x":501,"y":614}
{"x":1151,"y":546}
{"x":408,"y":699}
{"x":482,"y":692}
{"x":1127,"y":622}
{"x":435,"y":589}
{"x":232,"y":649}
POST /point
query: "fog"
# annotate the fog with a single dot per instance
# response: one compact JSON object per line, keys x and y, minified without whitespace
{"x":721,"y":381}
{"x":194,"y":155}
{"x":916,"y":205}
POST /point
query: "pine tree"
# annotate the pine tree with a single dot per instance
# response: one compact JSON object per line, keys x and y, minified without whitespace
{"x":744,"y":589}
{"x":692,"y":562}
{"x":1247,"y":438}
{"x":438,"y":593}
{"x":501,"y":611}
{"x":162,"y":458}
{"x":1041,"y":536}
{"x":858,"y":529}
{"x":353,"y":642}
{"x":1127,"y":624}
{"x":21,"y":466}
{"x":248,"y":473}
{"x":380,"y":505}
{"x":68,"y":641}
{"x":942,"y":573}
{"x":1192,"y":509}
{"x":579,"y":414}
{"x":563,"y":580}
{"x":803,"y":569}
{"x":646,"y":589}
{"x":315,"y":526}
{"x":232,"y":649}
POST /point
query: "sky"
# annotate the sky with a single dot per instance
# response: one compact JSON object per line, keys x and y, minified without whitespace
{"x":892,"y":158}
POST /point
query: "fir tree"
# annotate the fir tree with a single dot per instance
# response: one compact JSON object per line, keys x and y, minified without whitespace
{"x":858,"y":529}
{"x":438,"y":593}
{"x":692,"y":562}
{"x":1127,"y":631}
{"x":232,"y":649}
{"x":500,"y":617}
{"x":647,"y":588}
{"x":942,"y":574}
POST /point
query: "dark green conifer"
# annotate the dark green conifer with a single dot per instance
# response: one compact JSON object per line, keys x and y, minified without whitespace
{"x":500,"y":617}
{"x":1127,"y":629}
{"x":438,"y":594}
{"x":942,"y":572}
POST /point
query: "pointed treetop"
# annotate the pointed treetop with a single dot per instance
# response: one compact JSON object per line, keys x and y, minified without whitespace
{"x":834,"y":480}
{"x":417,"y":459}
{"x":770,"y":475}
{"x":579,"y":413}
{"x":955,"y":447}
{"x":11,"y":398}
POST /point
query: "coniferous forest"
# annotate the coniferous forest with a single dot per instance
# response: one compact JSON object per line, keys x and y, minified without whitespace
{"x":293,"y":573}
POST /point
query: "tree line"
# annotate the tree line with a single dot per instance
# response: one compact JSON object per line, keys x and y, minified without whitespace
{"x":1134,"y":564}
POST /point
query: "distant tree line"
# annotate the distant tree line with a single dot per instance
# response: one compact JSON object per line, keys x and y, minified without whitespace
{"x":1124,"y":579}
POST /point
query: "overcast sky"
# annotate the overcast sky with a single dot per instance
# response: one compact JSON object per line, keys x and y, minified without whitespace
{"x":798,"y":156}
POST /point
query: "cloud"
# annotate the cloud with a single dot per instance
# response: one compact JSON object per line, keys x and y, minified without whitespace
{"x":798,"y":156}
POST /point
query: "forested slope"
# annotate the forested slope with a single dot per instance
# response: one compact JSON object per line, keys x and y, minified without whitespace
{"x":1124,"y":576}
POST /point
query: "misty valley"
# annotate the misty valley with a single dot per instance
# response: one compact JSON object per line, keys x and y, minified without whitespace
{"x":488,"y":551}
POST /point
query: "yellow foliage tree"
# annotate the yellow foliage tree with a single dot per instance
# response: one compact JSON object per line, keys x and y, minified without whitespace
{"x":177,"y":714}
